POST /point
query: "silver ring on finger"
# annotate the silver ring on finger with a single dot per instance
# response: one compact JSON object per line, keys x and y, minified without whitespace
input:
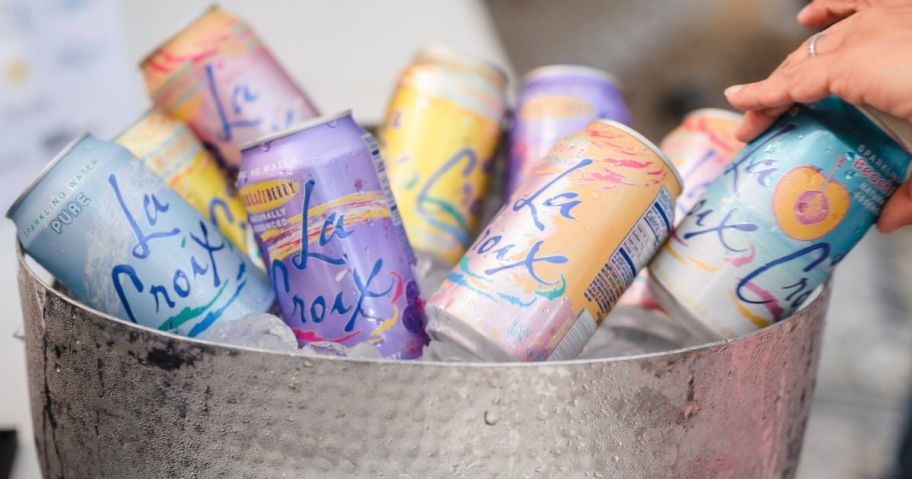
{"x":812,"y":44}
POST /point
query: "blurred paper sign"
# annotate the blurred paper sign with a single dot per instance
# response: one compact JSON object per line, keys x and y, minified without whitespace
{"x":63,"y":70}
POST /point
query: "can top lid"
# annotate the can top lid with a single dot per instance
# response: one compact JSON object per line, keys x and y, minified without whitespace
{"x":896,"y":128}
{"x":560,"y":70}
{"x":716,"y":112}
{"x":652,"y":146}
{"x":438,"y":53}
{"x":208,"y":11}
{"x":296,"y":129}
{"x":140,"y":119}
{"x":44,"y":171}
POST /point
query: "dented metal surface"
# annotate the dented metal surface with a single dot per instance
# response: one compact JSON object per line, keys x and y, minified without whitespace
{"x":111,"y":399}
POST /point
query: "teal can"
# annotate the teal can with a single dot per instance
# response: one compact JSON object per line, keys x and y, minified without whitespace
{"x":783,"y":214}
{"x":123,"y":242}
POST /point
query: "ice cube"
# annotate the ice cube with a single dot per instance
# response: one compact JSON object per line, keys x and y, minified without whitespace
{"x":257,"y":330}
{"x":429,"y":273}
{"x":630,"y":330}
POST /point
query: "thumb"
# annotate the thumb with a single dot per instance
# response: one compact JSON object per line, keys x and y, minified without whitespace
{"x":898,"y":210}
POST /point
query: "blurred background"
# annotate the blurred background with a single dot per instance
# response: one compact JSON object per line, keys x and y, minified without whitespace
{"x":71,"y":65}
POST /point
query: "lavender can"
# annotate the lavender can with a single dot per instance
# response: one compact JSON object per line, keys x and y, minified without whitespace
{"x":324,"y":217}
{"x":556,"y":101}
{"x":123,"y":242}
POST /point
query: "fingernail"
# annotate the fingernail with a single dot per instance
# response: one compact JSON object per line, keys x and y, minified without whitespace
{"x":804,"y":10}
{"x":733,"y":90}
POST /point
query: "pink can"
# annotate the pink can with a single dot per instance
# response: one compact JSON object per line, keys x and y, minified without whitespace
{"x":700,"y":148}
{"x":219,"y":78}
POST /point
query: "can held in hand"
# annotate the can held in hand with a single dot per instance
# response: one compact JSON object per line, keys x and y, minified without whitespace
{"x":171,"y":150}
{"x":219,"y":78}
{"x":556,"y":101}
{"x":332,"y":240}
{"x":123,"y":242}
{"x":784,"y":213}
{"x":555,"y":260}
{"x":438,"y":140}
{"x":700,"y":148}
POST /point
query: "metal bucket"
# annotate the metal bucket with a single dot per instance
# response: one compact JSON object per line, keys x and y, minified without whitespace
{"x":112,"y":399}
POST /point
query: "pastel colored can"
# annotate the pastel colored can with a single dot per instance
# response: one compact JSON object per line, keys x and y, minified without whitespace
{"x":700,"y":148}
{"x":324,"y":216}
{"x":123,"y":242}
{"x":219,"y":78}
{"x":784,"y":213}
{"x":171,"y":150}
{"x":554,"y":260}
{"x":556,"y":101}
{"x":438,"y":139}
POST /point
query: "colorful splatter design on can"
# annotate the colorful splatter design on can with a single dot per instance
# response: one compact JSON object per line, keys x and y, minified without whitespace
{"x":700,"y":148}
{"x":556,"y":101}
{"x":783,"y":214}
{"x":219,"y":78}
{"x":438,"y":140}
{"x":324,"y":217}
{"x":123,"y":242}
{"x":555,"y":259}
{"x":171,"y":150}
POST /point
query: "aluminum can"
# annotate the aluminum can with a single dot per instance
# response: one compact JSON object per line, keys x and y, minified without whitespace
{"x":325,"y":219}
{"x":554,"y":261}
{"x":700,"y":148}
{"x":172,"y":151}
{"x":775,"y":224}
{"x":123,"y":242}
{"x":219,"y":78}
{"x":556,"y":101}
{"x":438,"y":140}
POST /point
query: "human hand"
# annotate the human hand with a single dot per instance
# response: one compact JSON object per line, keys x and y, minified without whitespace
{"x":821,"y":13}
{"x":865,"y":59}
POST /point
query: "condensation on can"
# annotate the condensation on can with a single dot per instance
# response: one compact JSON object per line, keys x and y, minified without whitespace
{"x":775,"y":224}
{"x":326,"y":221}
{"x":123,"y":242}
{"x":554,"y":261}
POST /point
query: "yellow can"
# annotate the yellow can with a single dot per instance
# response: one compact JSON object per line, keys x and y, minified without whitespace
{"x":438,"y":140}
{"x":170,"y":149}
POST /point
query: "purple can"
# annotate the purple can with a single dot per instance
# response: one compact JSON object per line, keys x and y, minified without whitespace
{"x":556,"y":101}
{"x":330,"y":234}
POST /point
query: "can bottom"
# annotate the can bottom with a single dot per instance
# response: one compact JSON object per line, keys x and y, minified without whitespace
{"x":677,"y":311}
{"x":459,"y":341}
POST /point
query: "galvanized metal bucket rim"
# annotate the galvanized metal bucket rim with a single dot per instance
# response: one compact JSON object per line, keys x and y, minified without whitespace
{"x":815,"y":297}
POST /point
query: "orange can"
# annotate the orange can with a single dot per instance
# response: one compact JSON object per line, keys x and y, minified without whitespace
{"x":553,"y":262}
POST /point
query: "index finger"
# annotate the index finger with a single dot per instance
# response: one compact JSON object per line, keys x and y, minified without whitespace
{"x":821,"y":13}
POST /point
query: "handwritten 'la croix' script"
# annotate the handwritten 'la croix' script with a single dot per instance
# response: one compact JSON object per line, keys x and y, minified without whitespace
{"x":174,"y":293}
{"x":235,"y":114}
{"x":512,"y":255}
{"x":319,"y":307}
